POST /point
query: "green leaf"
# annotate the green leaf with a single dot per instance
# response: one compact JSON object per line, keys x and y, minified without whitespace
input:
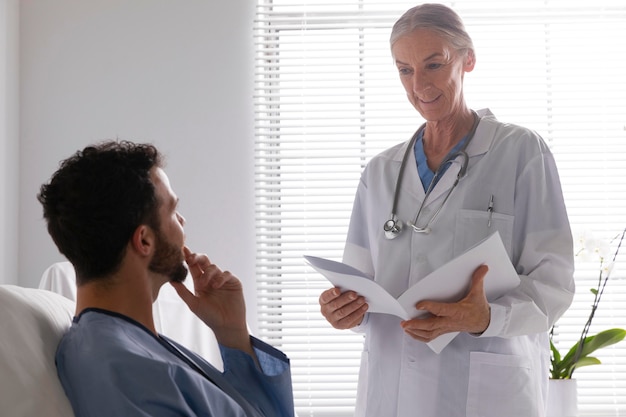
{"x":566,"y":365}
{"x":589,"y":360}
{"x":602,"y":339}
{"x":555,"y":359}
{"x":556,"y":355}
{"x":586,"y":361}
{"x":594,"y":291}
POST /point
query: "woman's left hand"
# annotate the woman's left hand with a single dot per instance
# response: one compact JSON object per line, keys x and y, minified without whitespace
{"x":471,"y":314}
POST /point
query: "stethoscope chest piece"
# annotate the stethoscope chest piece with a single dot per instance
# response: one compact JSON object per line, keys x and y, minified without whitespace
{"x":392,"y":228}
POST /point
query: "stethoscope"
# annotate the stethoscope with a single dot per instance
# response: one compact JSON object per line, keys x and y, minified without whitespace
{"x":394,"y":226}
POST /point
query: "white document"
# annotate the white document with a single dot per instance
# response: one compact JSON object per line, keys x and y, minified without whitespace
{"x":450,"y":283}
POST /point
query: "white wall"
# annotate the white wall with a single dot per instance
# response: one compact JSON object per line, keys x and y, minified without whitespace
{"x":175,"y":73}
{"x":9,"y":102}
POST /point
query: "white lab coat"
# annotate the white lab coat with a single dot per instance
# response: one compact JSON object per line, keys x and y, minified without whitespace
{"x":503,"y":372}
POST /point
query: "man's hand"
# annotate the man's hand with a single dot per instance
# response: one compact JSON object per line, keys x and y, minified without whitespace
{"x":471,"y":314}
{"x":342,"y":310}
{"x":218,"y":301}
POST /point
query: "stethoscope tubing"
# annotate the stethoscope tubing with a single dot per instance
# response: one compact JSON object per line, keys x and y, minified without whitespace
{"x":393,"y":226}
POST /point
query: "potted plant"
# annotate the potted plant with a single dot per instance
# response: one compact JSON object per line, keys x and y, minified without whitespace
{"x":562,"y":367}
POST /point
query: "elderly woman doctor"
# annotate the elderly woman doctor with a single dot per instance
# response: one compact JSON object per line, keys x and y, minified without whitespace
{"x":463,"y":176}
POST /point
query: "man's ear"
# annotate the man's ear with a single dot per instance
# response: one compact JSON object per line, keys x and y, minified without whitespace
{"x":143,"y":240}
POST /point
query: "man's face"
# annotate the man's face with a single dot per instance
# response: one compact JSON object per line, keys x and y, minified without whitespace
{"x":168,"y":258}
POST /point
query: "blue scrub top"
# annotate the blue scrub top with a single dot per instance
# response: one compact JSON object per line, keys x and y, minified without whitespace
{"x":425,"y":173}
{"x":111,"y":365}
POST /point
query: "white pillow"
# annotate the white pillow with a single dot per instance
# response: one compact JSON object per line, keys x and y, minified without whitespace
{"x":61,"y":279}
{"x":32,"y":322}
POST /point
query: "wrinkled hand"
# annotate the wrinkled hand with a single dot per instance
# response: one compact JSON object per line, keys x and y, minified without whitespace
{"x":471,"y":314}
{"x":217,"y":300}
{"x":342,"y":310}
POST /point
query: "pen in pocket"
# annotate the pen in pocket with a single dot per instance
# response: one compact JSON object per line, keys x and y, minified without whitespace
{"x":490,"y":210}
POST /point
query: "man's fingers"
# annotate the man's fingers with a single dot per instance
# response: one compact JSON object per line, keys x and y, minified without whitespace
{"x":200,"y":265}
{"x":187,"y":296}
{"x":217,"y":277}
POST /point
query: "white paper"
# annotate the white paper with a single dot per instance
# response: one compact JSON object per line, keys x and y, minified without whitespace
{"x":449,"y":283}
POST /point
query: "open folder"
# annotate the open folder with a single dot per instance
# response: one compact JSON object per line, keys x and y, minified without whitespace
{"x":449,"y":283}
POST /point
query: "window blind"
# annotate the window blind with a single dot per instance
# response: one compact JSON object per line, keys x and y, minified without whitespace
{"x":328,"y":98}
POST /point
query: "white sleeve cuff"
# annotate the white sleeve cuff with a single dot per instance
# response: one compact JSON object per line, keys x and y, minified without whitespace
{"x":497,"y":322}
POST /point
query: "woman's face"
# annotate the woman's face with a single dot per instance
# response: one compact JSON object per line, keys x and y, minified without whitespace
{"x":432,"y":71}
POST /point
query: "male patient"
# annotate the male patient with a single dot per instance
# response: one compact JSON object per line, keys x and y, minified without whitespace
{"x":111,"y":211}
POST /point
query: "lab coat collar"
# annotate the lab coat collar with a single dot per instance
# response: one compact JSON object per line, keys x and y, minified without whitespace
{"x":479,"y":145}
{"x":485,"y":134}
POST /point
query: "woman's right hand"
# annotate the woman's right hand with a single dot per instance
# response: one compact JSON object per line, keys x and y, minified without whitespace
{"x":342,"y":310}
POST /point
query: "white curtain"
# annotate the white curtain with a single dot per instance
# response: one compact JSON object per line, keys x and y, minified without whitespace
{"x":328,"y":98}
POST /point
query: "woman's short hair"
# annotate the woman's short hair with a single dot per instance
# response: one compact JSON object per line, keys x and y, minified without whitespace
{"x":435,"y":17}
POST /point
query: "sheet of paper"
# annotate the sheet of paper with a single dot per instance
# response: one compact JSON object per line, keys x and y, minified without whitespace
{"x":346,"y":278}
{"x":446,"y":284}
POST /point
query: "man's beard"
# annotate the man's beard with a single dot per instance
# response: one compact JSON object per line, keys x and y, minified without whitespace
{"x":168,"y":260}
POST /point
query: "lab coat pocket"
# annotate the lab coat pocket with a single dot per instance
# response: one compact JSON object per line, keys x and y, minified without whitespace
{"x":472,"y":226}
{"x":501,"y":385}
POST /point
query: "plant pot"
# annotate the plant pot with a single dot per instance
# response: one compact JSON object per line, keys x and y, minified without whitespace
{"x":562,"y":398}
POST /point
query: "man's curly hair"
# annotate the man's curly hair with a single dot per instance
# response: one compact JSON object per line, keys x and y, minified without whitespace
{"x":96,"y":200}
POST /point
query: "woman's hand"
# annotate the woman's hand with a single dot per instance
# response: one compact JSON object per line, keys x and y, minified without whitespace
{"x":342,"y":310}
{"x":471,"y":314}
